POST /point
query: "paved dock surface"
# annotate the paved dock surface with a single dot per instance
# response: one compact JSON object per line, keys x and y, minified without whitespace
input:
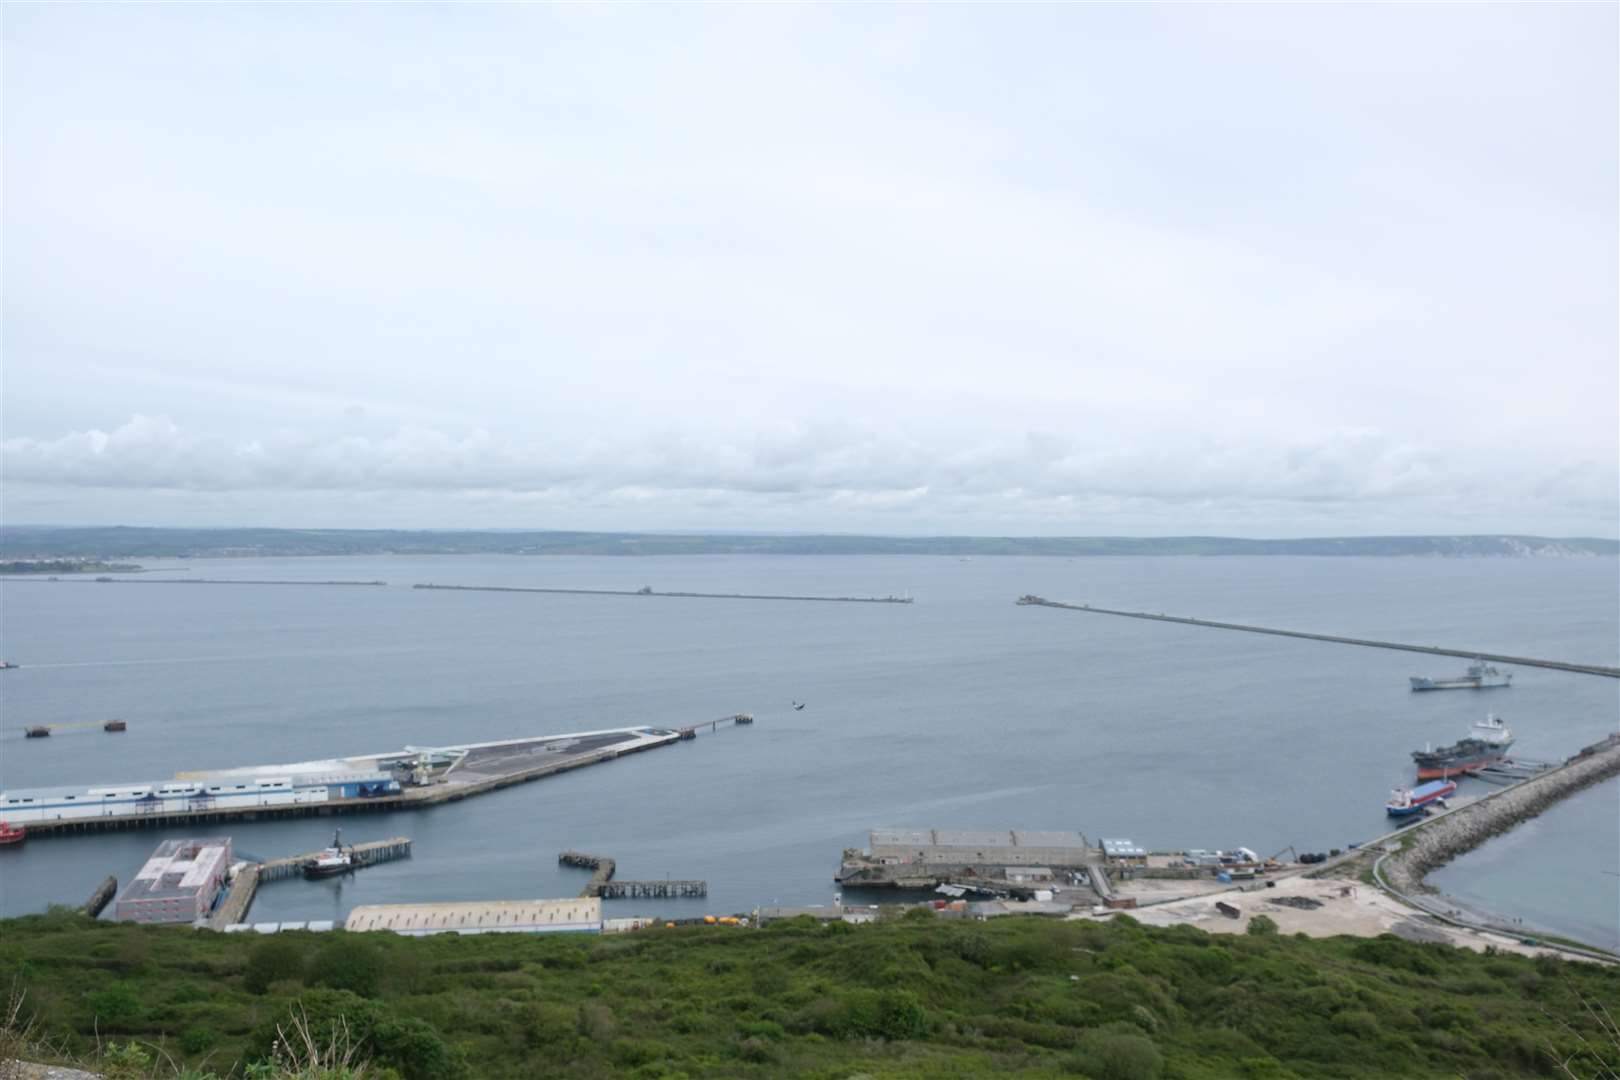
{"x":483,"y":767}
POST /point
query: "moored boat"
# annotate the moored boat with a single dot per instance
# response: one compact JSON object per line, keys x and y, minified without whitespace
{"x":12,"y":834}
{"x":1488,"y":743}
{"x":1404,"y":801}
{"x":332,"y":861}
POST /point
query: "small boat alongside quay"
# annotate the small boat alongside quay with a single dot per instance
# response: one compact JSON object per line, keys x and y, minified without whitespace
{"x":1404,"y":802}
{"x":332,"y":861}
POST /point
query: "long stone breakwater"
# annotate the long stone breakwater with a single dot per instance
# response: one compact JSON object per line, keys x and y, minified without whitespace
{"x":1436,"y":650}
{"x":648,"y":591}
{"x":1437,"y":842}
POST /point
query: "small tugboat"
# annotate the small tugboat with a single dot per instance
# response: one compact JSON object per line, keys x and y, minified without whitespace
{"x":12,"y":834}
{"x":38,"y":731}
{"x":115,"y":725}
{"x":1481,"y":676}
{"x":333,"y":861}
{"x":1405,"y":801}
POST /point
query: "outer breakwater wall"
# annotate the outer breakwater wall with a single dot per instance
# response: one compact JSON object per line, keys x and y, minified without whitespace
{"x":200,"y":581}
{"x":1436,"y":650}
{"x":685,"y":595}
{"x":1435,"y":843}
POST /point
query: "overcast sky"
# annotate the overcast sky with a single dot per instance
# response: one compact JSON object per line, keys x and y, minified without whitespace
{"x":1252,"y":270}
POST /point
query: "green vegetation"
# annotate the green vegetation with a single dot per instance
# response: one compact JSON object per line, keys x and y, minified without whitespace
{"x":913,"y":998}
{"x":84,"y":542}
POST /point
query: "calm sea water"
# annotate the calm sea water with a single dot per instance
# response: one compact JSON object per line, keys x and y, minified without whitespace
{"x":959,"y":710}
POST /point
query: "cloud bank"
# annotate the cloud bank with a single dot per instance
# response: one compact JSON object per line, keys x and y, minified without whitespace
{"x":814,"y":467}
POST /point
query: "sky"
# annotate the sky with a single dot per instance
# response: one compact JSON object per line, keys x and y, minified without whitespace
{"x":1253,"y":270}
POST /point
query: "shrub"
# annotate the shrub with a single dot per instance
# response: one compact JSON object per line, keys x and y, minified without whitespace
{"x":275,"y":959}
{"x":196,"y":1040}
{"x":548,"y":1025}
{"x":406,"y":1044}
{"x":349,"y":963}
{"x":1262,"y":926}
{"x":116,"y":1008}
{"x":595,"y":1021}
{"x":1111,"y":1055}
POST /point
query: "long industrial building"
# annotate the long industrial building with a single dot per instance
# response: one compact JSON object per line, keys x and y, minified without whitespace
{"x":580,"y":915}
{"x":1005,"y":847}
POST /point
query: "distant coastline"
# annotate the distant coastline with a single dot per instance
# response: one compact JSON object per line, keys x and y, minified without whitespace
{"x":86,"y":545}
{"x":35,"y":567}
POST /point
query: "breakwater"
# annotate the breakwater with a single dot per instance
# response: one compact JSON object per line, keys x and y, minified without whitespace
{"x":649,"y":591}
{"x":188,"y":581}
{"x":1448,"y":835}
{"x":1434,"y":650}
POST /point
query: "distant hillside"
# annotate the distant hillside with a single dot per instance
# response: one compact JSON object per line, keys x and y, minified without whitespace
{"x":24,"y":541}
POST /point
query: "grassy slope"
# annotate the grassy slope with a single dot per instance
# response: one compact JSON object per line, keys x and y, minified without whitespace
{"x":916,"y":998}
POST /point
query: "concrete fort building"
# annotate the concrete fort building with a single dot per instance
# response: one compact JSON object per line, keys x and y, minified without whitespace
{"x":178,"y":884}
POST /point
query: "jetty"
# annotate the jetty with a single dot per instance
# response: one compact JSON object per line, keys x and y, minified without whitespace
{"x":245,"y":885}
{"x":602,"y":884}
{"x":1434,"y":650}
{"x":422,"y":777}
{"x":647,"y":590}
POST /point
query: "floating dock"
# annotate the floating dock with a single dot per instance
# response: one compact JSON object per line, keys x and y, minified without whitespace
{"x":410,"y":778}
{"x":1030,"y":600}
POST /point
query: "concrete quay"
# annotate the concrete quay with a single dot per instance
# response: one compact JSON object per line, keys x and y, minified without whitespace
{"x":455,"y":773}
{"x":1434,"y":650}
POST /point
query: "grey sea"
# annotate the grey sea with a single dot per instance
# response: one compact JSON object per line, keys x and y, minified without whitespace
{"x":961,"y":709}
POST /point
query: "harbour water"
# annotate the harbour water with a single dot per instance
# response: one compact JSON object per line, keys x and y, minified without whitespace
{"x":959,"y":710}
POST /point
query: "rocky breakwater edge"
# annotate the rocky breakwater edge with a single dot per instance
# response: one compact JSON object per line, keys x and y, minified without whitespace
{"x":1429,"y":846}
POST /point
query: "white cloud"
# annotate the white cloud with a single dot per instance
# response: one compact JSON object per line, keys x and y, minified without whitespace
{"x":844,"y":471}
{"x":954,"y":267}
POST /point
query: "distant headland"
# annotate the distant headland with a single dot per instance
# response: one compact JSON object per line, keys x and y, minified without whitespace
{"x":83,"y":545}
